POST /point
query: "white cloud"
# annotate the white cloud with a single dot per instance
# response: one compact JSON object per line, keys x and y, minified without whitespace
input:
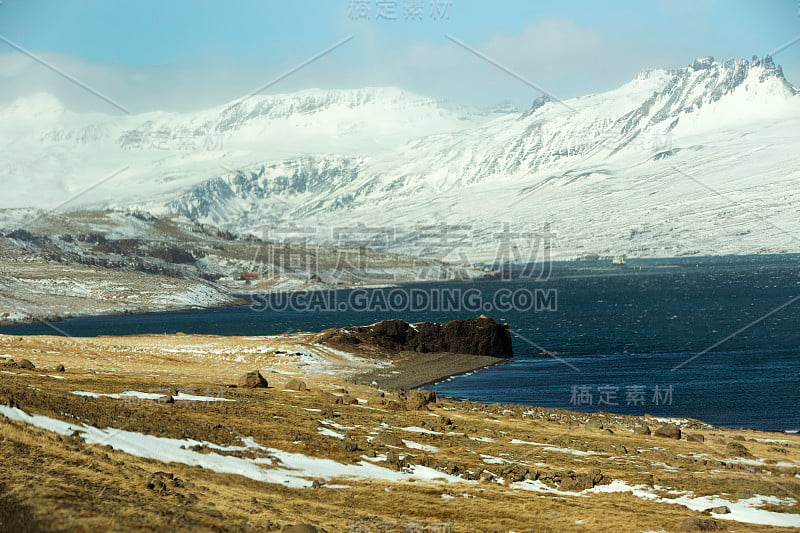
{"x":563,"y":57}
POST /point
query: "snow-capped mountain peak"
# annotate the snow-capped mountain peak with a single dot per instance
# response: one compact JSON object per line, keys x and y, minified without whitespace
{"x":608,"y":170}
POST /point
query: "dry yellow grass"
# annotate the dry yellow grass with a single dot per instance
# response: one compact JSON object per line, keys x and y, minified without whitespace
{"x":59,"y":483}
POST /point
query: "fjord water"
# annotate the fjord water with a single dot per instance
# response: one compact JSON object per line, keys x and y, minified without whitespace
{"x":618,"y":334}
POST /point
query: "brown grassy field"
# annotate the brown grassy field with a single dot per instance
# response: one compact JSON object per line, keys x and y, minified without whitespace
{"x":482,"y":453}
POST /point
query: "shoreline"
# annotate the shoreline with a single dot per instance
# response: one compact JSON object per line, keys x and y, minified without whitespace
{"x":240,"y":297}
{"x":417,"y":370}
{"x":242,"y":301}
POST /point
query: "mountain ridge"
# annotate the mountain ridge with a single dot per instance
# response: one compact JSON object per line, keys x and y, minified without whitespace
{"x":347,"y":157}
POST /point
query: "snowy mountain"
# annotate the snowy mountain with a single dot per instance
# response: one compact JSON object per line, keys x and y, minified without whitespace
{"x":702,"y":159}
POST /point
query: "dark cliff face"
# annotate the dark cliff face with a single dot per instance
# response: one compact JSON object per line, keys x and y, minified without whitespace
{"x":475,"y":336}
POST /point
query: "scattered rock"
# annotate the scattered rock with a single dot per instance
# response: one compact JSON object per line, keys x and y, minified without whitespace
{"x":348,"y":400}
{"x":253,"y":380}
{"x":348,"y":445}
{"x":419,"y":399}
{"x":25,"y":364}
{"x":391,"y":405}
{"x":737,"y":449}
{"x":387,"y":439}
{"x":296,"y":384}
{"x":695,"y":437}
{"x":593,"y":424}
{"x":668,"y":431}
{"x":695,"y":523}
{"x":393,"y":460}
{"x":576,"y":482}
{"x":331,"y":399}
{"x":165,"y":399}
{"x":156,"y":485}
{"x":722,"y":509}
{"x":299,"y":528}
{"x":60,"y":368}
{"x":641,"y":429}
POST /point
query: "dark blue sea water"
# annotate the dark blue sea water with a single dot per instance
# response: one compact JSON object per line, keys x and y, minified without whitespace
{"x":619,"y":340}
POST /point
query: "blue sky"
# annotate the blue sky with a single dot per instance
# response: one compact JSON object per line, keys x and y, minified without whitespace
{"x":151,"y":53}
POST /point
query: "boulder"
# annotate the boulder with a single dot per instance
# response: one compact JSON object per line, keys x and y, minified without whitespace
{"x":641,"y":429}
{"x":253,"y":380}
{"x":722,"y":509}
{"x":165,"y":399}
{"x":737,"y":449}
{"x":60,"y":368}
{"x":668,"y":431}
{"x":593,"y":424}
{"x":695,"y":437}
{"x":25,"y":364}
{"x":387,"y":439}
{"x":329,"y":398}
{"x":419,"y":399}
{"x":296,"y":384}
{"x":348,"y":445}
{"x":576,"y":482}
{"x":475,"y":336}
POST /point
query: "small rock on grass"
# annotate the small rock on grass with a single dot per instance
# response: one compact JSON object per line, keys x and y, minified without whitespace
{"x":668,"y":431}
{"x":593,"y":424}
{"x":419,"y":399}
{"x":296,"y":384}
{"x":387,"y":439}
{"x":253,"y":380}
{"x":348,"y":445}
{"x":737,"y":449}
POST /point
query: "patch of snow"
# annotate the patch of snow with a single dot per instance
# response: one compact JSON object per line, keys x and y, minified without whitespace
{"x":415,"y":429}
{"x":744,"y":510}
{"x":330,"y":433}
{"x":296,"y":470}
{"x":194,"y":398}
{"x":423,"y":447}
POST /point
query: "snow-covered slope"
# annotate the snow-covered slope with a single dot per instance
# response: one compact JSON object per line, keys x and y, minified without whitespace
{"x":702,"y":159}
{"x":49,"y":153}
